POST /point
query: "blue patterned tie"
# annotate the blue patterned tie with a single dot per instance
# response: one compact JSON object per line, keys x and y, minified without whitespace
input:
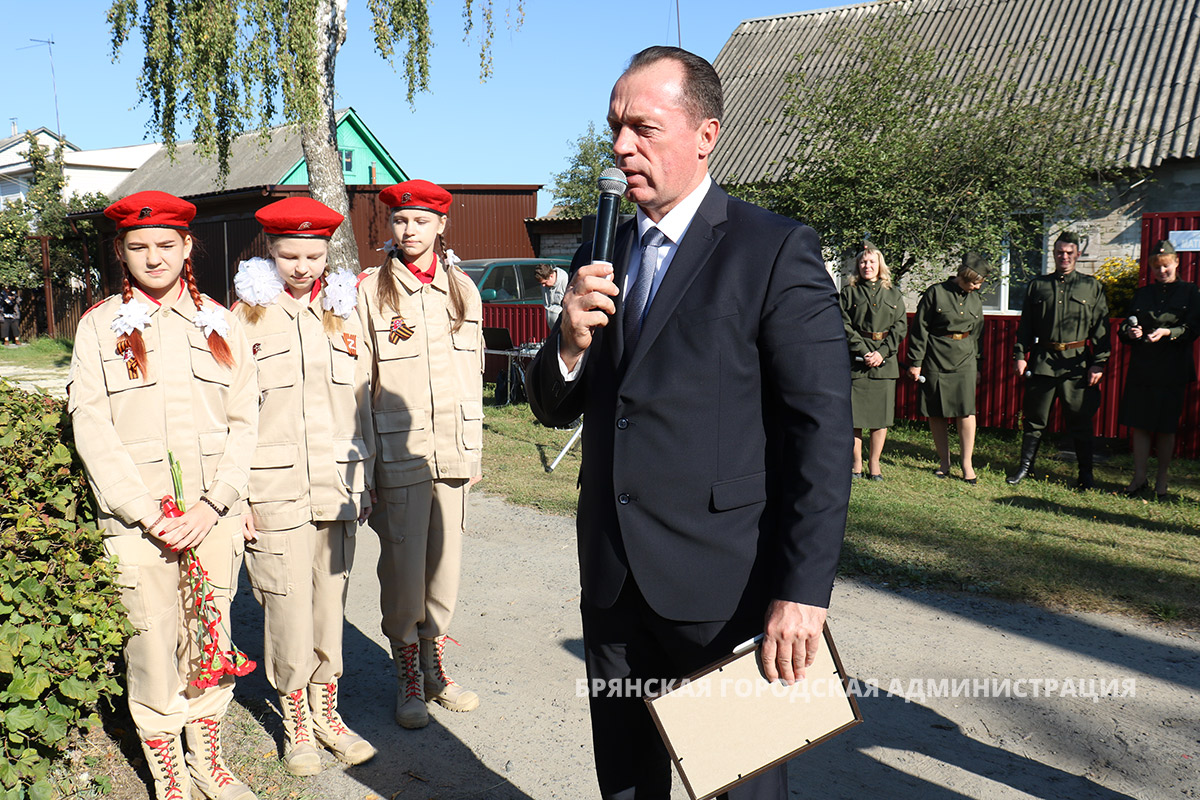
{"x":639,"y":293}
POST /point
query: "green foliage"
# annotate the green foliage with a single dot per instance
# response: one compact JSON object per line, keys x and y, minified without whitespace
{"x":61,"y":622}
{"x":230,"y":67}
{"x":1119,"y":275}
{"x":575,"y":187}
{"x":929,"y":154}
{"x":43,"y":212}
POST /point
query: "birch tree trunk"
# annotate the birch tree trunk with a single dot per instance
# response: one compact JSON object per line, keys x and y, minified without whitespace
{"x":318,"y":135}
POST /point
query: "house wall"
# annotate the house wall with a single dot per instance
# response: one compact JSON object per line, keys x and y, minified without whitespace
{"x":363,"y":158}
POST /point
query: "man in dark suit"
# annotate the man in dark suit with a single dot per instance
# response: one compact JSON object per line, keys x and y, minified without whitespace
{"x":711,"y":366}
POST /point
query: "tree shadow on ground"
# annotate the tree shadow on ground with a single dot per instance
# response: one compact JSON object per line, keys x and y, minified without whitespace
{"x":846,"y":769}
{"x":426,"y":763}
{"x":1090,"y":514}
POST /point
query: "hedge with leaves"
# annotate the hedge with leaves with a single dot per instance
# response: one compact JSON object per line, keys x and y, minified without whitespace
{"x":61,"y":622}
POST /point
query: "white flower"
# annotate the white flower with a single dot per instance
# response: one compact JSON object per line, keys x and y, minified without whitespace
{"x":212,"y":320}
{"x":341,"y":293}
{"x":132,"y":315}
{"x":258,"y":282}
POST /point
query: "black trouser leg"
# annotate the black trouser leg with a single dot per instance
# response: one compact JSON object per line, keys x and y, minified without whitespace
{"x":625,"y":646}
{"x":1084,"y":454}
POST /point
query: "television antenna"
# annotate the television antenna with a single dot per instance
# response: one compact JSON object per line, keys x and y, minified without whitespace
{"x":49,"y":43}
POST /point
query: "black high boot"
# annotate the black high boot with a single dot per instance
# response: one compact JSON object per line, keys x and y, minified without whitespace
{"x":1084,"y":453}
{"x":1029,"y":447}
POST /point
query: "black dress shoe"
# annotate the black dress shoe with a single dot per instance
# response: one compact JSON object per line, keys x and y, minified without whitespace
{"x":1130,"y":491}
{"x":875,"y":477}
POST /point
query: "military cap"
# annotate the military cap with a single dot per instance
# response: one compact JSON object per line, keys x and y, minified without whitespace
{"x":1068,"y":237}
{"x":299,"y":217}
{"x":977,"y":264}
{"x":1162,"y":247}
{"x":418,"y":194}
{"x":151,"y":210}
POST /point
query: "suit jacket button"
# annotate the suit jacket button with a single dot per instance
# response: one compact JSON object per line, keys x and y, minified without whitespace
{"x":622,"y":423}
{"x":623,"y":499}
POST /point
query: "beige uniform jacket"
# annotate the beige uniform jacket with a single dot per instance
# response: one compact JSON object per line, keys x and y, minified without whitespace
{"x":427,"y":388}
{"x":315,"y":440}
{"x":204,"y":413}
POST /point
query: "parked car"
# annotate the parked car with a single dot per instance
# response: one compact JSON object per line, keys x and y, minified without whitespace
{"x":509,"y":280}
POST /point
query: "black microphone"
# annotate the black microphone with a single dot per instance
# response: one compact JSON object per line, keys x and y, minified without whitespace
{"x":612,"y":188}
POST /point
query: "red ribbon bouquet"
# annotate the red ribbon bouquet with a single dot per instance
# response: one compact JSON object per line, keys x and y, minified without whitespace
{"x":214,"y":662}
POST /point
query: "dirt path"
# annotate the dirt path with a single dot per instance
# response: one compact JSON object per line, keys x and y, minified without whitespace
{"x":519,"y":626}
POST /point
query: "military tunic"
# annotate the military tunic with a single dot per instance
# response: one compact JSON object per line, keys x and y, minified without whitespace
{"x":427,"y":401}
{"x":946,"y":342}
{"x":1063,"y":332}
{"x":203,"y":413}
{"x":1159,"y":371}
{"x":309,"y":480}
{"x":875,"y":321}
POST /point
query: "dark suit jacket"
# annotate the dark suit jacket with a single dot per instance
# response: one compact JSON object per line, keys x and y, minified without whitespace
{"x":716,"y":456}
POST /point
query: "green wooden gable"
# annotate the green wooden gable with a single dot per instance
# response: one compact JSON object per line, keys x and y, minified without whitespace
{"x":360,"y":151}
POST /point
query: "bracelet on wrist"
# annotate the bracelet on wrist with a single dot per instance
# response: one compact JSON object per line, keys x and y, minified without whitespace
{"x":150,"y":528}
{"x":221,"y":511}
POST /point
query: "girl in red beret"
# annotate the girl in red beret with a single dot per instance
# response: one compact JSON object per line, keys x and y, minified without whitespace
{"x":159,"y":372}
{"x":421,"y":318}
{"x":310,"y":479}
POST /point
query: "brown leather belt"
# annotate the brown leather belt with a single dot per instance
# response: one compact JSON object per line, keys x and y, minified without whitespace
{"x":957,"y":336}
{"x":874,"y":336}
{"x":1060,"y":346}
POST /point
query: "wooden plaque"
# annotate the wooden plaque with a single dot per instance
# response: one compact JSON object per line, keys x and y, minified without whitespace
{"x":725,"y":723}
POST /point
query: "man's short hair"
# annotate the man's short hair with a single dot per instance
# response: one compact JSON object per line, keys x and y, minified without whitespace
{"x":543,"y":271}
{"x":702,"y":94}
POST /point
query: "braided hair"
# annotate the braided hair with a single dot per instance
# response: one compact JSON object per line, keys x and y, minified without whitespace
{"x":387,"y":290}
{"x":134,"y":341}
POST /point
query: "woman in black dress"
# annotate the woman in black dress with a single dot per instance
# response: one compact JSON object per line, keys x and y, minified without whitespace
{"x":1164,"y":319}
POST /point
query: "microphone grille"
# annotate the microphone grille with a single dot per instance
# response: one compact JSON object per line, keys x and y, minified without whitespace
{"x":612,"y":181}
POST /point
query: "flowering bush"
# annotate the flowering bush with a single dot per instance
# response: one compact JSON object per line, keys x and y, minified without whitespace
{"x":1119,"y":275}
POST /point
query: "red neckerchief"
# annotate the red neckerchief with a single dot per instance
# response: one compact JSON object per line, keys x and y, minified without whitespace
{"x":427,"y":275}
{"x":312,"y":295}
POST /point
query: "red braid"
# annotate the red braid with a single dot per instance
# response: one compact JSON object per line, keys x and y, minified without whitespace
{"x":216,"y":345}
{"x":132,"y":340}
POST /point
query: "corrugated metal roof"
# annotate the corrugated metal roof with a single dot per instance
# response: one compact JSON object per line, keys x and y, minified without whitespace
{"x":1146,"y":51}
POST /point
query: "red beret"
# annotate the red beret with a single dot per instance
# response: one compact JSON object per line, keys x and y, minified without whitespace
{"x":151,"y":210}
{"x":417,"y":194}
{"x":300,"y":217}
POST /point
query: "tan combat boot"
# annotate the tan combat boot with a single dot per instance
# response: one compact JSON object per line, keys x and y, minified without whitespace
{"x":327,"y":724}
{"x":410,"y":690}
{"x":300,"y":756}
{"x":439,"y":686}
{"x":206,"y":762}
{"x":164,"y":754}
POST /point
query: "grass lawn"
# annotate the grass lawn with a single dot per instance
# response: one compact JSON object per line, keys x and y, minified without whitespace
{"x":1041,"y":542}
{"x":41,"y":353}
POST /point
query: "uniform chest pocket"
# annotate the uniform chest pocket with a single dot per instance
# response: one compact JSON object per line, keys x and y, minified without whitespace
{"x":121,"y":373}
{"x":467,"y":336}
{"x":399,"y":338}
{"x":272,"y":356}
{"x":204,"y":364}
{"x":342,"y":364}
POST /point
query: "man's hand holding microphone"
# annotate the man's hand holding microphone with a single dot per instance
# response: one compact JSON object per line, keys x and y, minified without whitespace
{"x":589,"y":302}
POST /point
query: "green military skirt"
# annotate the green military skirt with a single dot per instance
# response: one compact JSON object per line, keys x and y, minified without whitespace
{"x":947,"y":394}
{"x":873,"y":402}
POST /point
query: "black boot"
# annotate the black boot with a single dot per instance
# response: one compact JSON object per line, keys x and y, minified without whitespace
{"x":1084,"y":451}
{"x":1029,"y":448}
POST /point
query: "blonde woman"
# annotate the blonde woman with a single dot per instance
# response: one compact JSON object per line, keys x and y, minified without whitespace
{"x":873,"y":313}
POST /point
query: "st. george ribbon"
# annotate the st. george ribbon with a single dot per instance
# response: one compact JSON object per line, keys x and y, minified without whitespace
{"x":612,"y":187}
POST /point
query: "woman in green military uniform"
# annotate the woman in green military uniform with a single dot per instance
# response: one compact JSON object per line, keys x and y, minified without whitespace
{"x":946,"y":346}
{"x":1164,"y":320}
{"x":873,"y":312}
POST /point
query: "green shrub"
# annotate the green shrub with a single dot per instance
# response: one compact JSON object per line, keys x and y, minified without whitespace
{"x":61,"y":622}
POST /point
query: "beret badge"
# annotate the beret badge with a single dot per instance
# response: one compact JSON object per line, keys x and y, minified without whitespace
{"x":406,"y":198}
{"x":145,"y":212}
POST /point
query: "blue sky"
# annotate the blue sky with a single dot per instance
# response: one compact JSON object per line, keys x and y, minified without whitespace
{"x":551,"y":78}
